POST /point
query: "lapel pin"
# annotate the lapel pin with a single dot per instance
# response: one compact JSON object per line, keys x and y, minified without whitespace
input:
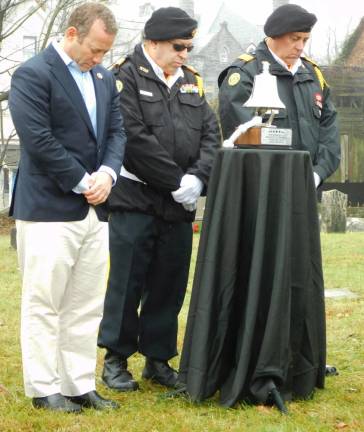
{"x":99,"y":75}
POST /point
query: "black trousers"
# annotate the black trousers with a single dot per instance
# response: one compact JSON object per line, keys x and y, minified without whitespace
{"x":149,"y":265}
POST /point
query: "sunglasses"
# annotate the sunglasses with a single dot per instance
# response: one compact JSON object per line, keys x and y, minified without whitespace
{"x":180,"y":47}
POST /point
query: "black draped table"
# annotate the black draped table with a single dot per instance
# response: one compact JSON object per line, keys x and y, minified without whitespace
{"x":256,"y":321}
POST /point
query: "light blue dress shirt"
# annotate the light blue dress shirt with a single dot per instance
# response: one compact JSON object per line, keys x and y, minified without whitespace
{"x":86,"y":86}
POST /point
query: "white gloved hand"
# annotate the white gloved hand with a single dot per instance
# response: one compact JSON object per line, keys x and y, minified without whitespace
{"x":255,"y":121}
{"x":190,"y":207}
{"x":190,"y":189}
{"x":317,"y":179}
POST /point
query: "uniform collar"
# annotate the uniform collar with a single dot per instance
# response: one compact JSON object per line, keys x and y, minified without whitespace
{"x":171,"y":80}
{"x":293,"y":69}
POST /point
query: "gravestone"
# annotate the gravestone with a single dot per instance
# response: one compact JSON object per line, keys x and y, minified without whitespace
{"x":333,"y":211}
{"x":355,"y":224}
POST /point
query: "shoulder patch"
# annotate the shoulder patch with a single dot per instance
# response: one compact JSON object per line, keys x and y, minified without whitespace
{"x":234,"y":78}
{"x":246,"y":57}
{"x":119,"y":85}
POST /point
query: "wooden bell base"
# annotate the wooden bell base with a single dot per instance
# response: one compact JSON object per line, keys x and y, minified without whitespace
{"x":251,"y":137}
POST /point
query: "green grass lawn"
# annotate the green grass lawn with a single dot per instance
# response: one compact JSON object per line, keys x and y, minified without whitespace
{"x":339,"y":406}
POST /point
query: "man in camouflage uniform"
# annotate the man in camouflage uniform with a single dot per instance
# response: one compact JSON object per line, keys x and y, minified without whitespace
{"x":172,"y":138}
{"x":301,"y":86}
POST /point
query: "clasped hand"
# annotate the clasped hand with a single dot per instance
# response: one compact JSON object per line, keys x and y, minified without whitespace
{"x":189,"y":191}
{"x":100,"y":186}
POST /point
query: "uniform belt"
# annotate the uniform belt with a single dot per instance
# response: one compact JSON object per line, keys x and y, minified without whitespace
{"x":125,"y":173}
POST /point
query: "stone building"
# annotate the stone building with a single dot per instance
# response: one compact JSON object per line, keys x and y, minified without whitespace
{"x":277,"y":3}
{"x":219,"y":42}
{"x":221,"y":37}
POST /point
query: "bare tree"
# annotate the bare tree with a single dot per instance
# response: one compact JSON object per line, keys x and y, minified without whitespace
{"x":9,"y":9}
{"x":55,"y":20}
{"x":13,"y":15}
{"x":8,"y":14}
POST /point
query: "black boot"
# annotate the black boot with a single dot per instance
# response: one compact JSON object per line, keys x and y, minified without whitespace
{"x":160,"y":372}
{"x":115,"y":374}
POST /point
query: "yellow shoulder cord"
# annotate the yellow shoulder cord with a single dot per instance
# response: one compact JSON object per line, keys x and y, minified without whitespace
{"x":199,"y":82}
{"x":320,"y":77}
{"x":318,"y":73}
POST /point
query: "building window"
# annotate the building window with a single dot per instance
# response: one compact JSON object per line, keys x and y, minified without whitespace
{"x":145,"y":10}
{"x":224,"y":55}
{"x":29,"y":46}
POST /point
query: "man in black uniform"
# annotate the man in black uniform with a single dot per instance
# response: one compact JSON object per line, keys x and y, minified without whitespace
{"x":301,"y":86}
{"x":172,"y":138}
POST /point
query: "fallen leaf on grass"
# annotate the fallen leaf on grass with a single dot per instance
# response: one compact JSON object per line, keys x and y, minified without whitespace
{"x":264,"y":409}
{"x":3,"y":389}
{"x":341,"y":425}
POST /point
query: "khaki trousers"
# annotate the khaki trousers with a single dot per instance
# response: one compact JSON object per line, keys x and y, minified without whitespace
{"x":63,"y":265}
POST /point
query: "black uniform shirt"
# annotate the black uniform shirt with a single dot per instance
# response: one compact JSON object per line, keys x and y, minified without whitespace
{"x":171,"y":132}
{"x":309,"y":110}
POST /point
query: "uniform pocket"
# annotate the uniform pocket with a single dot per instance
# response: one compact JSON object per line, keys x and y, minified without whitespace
{"x":191,"y":106}
{"x":152,"y":108}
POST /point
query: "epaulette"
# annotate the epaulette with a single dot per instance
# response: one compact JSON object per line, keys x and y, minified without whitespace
{"x":246,"y":57}
{"x":318,"y":73}
{"x":198,"y":77}
{"x":192,"y":69}
{"x":115,"y":67}
{"x":117,"y":64}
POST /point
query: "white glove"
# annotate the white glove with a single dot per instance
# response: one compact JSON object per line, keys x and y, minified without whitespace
{"x":317,"y":179}
{"x":255,"y":121}
{"x":190,"y":207}
{"x":190,"y":189}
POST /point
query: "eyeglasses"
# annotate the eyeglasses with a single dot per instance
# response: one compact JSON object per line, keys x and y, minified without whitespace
{"x":180,"y":47}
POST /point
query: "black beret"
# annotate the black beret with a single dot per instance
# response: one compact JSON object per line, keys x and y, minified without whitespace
{"x":287,"y":19}
{"x":169,"y":23}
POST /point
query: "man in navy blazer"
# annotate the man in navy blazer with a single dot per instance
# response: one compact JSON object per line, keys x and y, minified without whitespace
{"x":65,"y":108}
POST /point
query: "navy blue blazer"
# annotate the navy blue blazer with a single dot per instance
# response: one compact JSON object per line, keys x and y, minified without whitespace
{"x":57,"y":141}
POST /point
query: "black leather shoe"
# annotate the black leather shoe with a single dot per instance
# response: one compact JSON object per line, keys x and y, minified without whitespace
{"x":331,"y":371}
{"x":115,"y":374}
{"x":93,"y":400}
{"x":160,"y":372}
{"x":56,"y":402}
